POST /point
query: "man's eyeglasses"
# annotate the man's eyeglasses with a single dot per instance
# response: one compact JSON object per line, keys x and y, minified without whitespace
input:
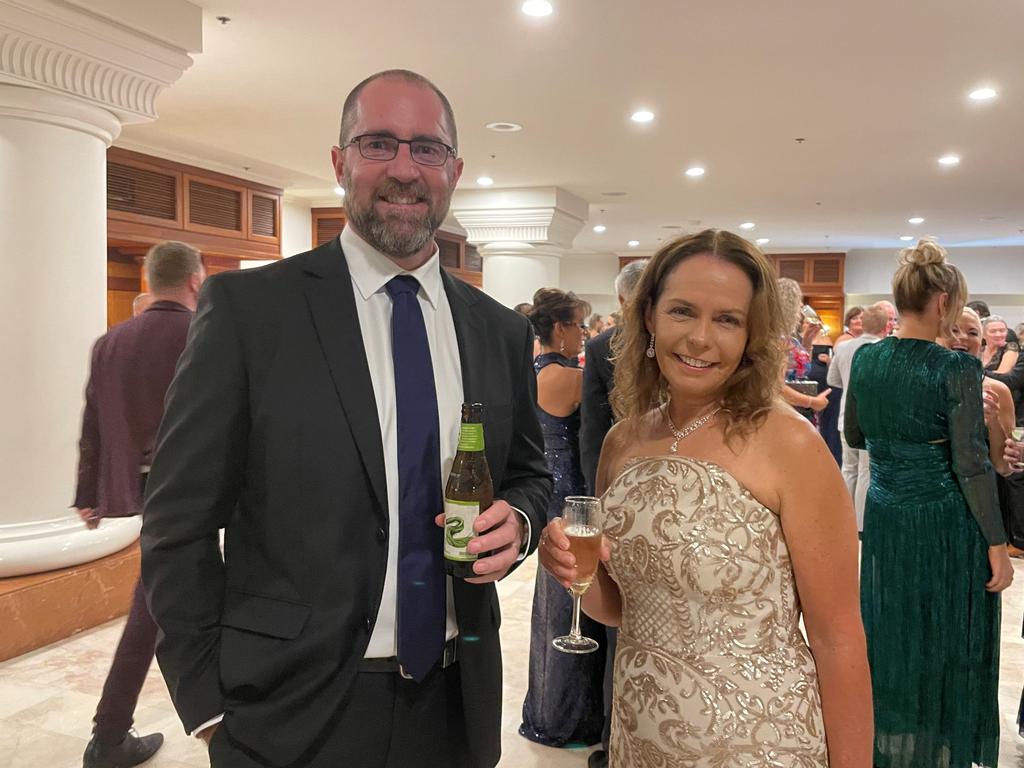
{"x":375,"y":146}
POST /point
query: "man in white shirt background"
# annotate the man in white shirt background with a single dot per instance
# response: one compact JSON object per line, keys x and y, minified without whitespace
{"x":856,"y":466}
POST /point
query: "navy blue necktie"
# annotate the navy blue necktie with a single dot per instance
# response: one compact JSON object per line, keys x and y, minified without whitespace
{"x":421,"y":578}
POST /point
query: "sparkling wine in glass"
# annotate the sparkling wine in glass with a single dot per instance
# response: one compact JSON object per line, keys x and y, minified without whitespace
{"x":1017,"y":433}
{"x":580,"y":524}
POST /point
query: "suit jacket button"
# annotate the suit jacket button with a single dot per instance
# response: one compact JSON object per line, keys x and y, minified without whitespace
{"x":369,"y":624}
{"x":382,"y":535}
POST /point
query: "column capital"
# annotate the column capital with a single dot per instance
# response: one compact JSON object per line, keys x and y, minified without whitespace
{"x":529,"y":250}
{"x":535,"y":215}
{"x":83,"y":49}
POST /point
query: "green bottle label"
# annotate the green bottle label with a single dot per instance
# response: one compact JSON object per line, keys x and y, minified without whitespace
{"x":459,"y":517}
{"x":471,"y":437}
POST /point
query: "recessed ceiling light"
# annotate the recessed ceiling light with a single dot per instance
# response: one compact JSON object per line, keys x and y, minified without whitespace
{"x":614,"y":194}
{"x":642,"y":116}
{"x":747,"y":225}
{"x":763,"y":240}
{"x":949,"y":160}
{"x":484,"y":181}
{"x":633,"y":243}
{"x":907,"y":238}
{"x":915,"y":220}
{"x":504,"y":127}
{"x":537,"y":8}
{"x":695,"y":171}
{"x":339,"y":191}
{"x":983,"y":94}
{"x":600,"y":228}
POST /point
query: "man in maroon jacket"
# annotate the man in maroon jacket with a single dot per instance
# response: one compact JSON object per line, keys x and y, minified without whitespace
{"x":132,"y":367}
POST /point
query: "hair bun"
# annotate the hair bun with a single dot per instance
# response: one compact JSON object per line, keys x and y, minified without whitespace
{"x":926,"y":253}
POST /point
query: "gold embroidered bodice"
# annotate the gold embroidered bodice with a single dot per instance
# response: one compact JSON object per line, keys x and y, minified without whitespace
{"x":711,"y":667}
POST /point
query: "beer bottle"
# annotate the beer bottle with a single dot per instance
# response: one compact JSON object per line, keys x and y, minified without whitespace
{"x":468,"y":493}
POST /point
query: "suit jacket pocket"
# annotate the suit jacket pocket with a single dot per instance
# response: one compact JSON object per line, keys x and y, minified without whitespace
{"x":259,"y":649}
{"x":269,"y":616}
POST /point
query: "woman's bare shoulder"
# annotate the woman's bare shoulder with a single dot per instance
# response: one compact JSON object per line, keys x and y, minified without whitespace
{"x":785,"y":433}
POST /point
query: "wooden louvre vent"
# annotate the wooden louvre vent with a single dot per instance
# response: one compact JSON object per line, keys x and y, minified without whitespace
{"x":825,"y":271}
{"x":214,"y":206}
{"x":264,"y":222}
{"x":792,"y":269}
{"x":328,"y":228}
{"x":141,"y":191}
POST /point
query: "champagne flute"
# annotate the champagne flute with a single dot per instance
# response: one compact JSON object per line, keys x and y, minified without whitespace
{"x":580,"y":521}
{"x":1017,"y":433}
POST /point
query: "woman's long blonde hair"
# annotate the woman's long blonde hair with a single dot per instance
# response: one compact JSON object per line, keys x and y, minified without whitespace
{"x":749,"y":392}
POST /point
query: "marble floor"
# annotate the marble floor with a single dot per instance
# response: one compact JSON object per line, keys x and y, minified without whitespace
{"x":47,"y":698}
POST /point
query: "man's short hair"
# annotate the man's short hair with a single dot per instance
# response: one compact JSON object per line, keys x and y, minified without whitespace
{"x":874,"y":319}
{"x":348,"y":112}
{"x":628,"y":277}
{"x":980,"y":307}
{"x":170,"y":264}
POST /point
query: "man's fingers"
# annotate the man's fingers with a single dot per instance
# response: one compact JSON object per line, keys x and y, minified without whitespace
{"x":495,"y":538}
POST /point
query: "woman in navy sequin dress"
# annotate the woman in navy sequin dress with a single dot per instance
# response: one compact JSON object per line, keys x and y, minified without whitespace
{"x":564,"y":704}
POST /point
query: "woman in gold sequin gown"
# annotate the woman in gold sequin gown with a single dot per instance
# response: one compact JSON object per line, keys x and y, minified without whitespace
{"x":726,"y":521}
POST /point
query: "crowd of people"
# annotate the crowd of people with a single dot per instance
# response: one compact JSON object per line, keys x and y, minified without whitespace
{"x":738,"y":450}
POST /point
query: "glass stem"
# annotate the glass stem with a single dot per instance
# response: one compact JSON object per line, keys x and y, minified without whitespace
{"x":575,"y":631}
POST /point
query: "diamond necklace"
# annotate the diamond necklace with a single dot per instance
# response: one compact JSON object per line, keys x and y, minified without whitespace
{"x":689,"y":429}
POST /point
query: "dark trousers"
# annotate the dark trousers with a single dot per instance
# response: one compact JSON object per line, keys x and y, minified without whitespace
{"x":385,"y":721}
{"x":114,"y":715}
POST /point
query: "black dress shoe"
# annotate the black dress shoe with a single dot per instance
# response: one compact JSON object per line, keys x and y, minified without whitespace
{"x":598,"y":759}
{"x":132,"y":751}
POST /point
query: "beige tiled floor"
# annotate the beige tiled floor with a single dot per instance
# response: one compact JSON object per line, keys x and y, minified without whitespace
{"x":47,"y":698}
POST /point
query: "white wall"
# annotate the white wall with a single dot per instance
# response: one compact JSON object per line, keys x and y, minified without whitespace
{"x":296,"y":227}
{"x":994,"y":275}
{"x":592,"y":277}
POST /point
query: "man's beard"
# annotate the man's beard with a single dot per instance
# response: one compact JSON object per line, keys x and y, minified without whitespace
{"x":396,"y":235}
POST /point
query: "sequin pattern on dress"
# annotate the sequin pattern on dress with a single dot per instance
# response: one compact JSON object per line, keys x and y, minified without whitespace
{"x":711,"y":667}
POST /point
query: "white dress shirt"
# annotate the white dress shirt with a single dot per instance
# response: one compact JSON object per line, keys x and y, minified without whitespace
{"x":371,"y":270}
{"x":839,"y":369}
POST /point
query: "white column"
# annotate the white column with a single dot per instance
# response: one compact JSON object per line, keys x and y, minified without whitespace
{"x":521,"y":235}
{"x":53,"y":277}
{"x":69,"y":78}
{"x":514,"y":271}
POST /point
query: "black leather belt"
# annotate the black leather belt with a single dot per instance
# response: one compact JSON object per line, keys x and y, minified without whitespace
{"x":390,"y":663}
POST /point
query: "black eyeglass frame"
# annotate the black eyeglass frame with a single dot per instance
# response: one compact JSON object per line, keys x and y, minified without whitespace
{"x":449,"y":150}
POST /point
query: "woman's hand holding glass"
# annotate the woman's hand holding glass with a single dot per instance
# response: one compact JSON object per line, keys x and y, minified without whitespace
{"x":555,"y":555}
{"x":571,"y":547}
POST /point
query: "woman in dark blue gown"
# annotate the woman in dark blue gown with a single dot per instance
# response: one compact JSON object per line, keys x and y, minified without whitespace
{"x":564,"y":704}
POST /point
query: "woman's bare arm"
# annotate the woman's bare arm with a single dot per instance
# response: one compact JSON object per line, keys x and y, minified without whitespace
{"x":821,"y":534}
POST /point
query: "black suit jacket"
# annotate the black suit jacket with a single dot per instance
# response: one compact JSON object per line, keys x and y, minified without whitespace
{"x":271,"y":432}
{"x":596,"y":413}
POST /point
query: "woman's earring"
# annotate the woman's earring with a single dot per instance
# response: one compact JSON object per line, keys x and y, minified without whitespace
{"x":561,"y":348}
{"x":650,"y":347}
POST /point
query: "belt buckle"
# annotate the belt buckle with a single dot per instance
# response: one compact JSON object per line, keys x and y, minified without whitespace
{"x":450,"y":652}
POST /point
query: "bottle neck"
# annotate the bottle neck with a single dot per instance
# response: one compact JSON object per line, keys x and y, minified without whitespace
{"x":471,"y":437}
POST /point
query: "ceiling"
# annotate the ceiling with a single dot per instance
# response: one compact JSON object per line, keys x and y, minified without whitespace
{"x":877,"y":89}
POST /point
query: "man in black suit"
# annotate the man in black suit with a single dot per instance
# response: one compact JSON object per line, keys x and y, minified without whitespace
{"x":596,"y":419}
{"x":598,"y":379}
{"x":314,"y":416}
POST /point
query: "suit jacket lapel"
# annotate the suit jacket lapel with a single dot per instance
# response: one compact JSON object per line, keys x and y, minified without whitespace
{"x":471,"y":333}
{"x":328,"y":288}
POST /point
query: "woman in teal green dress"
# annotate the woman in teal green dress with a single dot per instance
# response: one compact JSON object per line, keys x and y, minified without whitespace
{"x":933,"y":559}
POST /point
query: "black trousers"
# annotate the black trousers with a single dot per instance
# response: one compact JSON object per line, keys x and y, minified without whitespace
{"x":385,"y":721}
{"x":134,"y":654}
